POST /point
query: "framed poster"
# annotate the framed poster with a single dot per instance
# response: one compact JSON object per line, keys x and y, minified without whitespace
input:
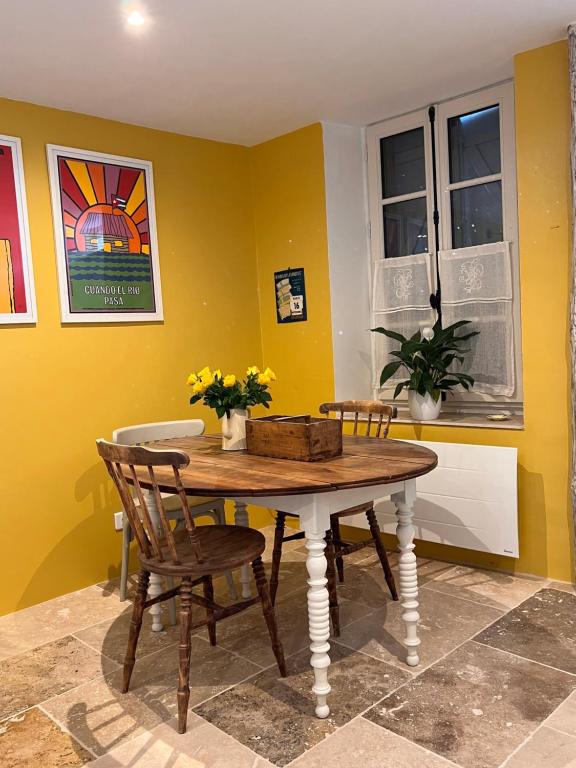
{"x":105,"y":232}
{"x":17,"y":299}
{"x":290,"y":296}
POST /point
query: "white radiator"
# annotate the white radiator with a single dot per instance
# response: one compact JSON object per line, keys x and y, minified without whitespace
{"x":470,"y":500}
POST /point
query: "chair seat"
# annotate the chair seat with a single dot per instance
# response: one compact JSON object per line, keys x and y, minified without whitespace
{"x":223,"y":547}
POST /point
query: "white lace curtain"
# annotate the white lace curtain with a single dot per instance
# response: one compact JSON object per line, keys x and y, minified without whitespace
{"x":401,"y":303}
{"x":477,"y":286}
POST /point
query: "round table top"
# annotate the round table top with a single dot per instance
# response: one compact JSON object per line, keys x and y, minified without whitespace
{"x":364,"y":461}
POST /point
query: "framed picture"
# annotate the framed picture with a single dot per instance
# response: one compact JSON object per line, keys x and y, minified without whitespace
{"x":17,"y":299}
{"x":290,"y":296}
{"x":105,"y":231}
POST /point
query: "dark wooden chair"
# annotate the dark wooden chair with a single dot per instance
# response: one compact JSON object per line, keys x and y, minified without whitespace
{"x":378,"y":417}
{"x":193,"y":555}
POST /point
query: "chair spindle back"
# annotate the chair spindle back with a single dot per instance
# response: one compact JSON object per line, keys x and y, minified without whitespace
{"x":138,"y":464}
{"x":373,"y":408}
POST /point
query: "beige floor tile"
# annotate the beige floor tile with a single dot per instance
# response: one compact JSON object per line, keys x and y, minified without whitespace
{"x":364,"y":581}
{"x":362,"y":743}
{"x":476,"y":706}
{"x":47,"y":671}
{"x":202,"y":746}
{"x":564,"y":718}
{"x":275,"y":717}
{"x":545,"y":749}
{"x":42,"y":623}
{"x":110,"y":637}
{"x":445,"y":623}
{"x":101,"y":717}
{"x":246,"y":633}
{"x":498,"y":590}
{"x":563,"y":586}
{"x":33,"y":740}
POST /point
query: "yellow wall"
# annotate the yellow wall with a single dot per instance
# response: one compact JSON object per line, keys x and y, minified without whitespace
{"x":288,"y":171}
{"x":290,"y":225}
{"x":61,"y":387}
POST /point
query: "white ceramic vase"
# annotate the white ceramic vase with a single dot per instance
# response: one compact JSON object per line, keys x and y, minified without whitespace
{"x":424,"y":407}
{"x":234,"y":430}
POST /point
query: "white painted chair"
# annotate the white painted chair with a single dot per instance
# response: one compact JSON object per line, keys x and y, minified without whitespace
{"x":199,"y":506}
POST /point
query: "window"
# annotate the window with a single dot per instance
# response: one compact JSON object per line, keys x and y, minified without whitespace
{"x":459,"y":163}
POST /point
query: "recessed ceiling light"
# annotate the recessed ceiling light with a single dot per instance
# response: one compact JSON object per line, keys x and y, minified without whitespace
{"x":135,"y":19}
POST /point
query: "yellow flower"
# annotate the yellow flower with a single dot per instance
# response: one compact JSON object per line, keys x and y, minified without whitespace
{"x":270,"y":373}
{"x":192,"y":379}
{"x":252,"y":371}
{"x":263,"y":379}
{"x":207,"y":381}
{"x":218,"y":374}
{"x":204,"y":372}
{"x":198,"y":388}
{"x":229,"y":380}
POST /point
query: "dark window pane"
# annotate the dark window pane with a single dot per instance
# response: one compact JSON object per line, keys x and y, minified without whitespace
{"x":474,"y":141}
{"x":405,"y":228}
{"x":477,"y":215}
{"x":402,"y":161}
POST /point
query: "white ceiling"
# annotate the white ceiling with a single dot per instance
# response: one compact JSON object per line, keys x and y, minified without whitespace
{"x":247,"y":70}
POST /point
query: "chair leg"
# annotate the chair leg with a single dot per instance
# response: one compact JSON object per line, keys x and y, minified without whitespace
{"x":332,"y":588}
{"x":209,"y":595}
{"x":126,"y":539}
{"x":277,"y":554}
{"x":335,"y":526}
{"x":269,"y":615}
{"x":375,"y":531}
{"x":184,"y":653}
{"x":135,"y":626}
{"x":219,"y":517}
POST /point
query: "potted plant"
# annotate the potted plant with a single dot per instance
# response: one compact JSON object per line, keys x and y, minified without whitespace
{"x":428,"y":358}
{"x":231,"y":399}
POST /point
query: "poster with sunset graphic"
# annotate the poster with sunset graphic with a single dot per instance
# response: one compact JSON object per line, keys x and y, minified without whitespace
{"x":105,"y":236}
{"x":17,"y":302}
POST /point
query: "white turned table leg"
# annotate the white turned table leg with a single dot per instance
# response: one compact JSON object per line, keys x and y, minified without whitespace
{"x":318,"y":618}
{"x":408,"y":571}
{"x":155,"y":587}
{"x":241,"y":518}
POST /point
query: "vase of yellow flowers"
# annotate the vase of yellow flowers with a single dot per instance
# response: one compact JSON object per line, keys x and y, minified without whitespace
{"x":232,"y":398}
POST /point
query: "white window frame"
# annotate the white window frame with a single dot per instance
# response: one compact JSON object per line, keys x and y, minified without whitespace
{"x":377,"y":200}
{"x":503,"y":96}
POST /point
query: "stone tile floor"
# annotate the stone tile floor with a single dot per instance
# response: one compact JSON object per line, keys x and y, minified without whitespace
{"x":496,"y":685}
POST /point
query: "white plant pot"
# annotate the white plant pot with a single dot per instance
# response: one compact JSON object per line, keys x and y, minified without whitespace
{"x":424,"y":407}
{"x":234,"y":430}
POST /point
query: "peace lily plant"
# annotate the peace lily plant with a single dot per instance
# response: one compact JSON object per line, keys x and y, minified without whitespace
{"x":232,"y":398}
{"x":428,"y":357}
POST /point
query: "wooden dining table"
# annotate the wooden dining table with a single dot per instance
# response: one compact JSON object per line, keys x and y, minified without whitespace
{"x":368,"y":469}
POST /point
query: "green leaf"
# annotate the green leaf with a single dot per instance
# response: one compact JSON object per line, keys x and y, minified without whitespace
{"x":399,"y":388}
{"x":390,"y":334}
{"x":388,"y":371}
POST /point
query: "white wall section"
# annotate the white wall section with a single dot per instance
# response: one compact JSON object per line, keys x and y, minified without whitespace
{"x":348,"y":249}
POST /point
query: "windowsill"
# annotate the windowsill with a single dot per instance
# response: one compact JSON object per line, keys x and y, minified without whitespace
{"x":477,"y":421}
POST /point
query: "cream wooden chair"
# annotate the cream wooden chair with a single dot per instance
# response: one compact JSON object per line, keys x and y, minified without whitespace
{"x":199,"y":506}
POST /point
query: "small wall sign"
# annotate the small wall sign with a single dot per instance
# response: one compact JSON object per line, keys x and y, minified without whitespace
{"x":290,"y":295}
